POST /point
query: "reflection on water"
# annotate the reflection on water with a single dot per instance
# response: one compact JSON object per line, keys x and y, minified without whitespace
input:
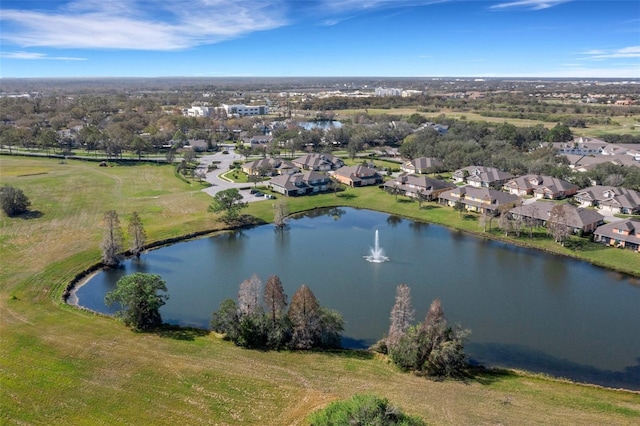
{"x":526,"y":309}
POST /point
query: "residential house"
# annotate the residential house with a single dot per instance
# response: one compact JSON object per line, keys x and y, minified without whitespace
{"x":440,"y":128}
{"x":318,"y":162}
{"x":358,"y":175}
{"x":258,"y":141}
{"x":579,"y":219}
{"x":610,"y":199}
{"x":481,"y":177}
{"x":481,"y":200}
{"x":269,"y":167}
{"x":541,"y":187}
{"x":625,"y":234}
{"x":415,"y":186}
{"x":581,"y":146}
{"x":309,"y":182}
{"x":422,"y":165}
{"x":197,"y":145}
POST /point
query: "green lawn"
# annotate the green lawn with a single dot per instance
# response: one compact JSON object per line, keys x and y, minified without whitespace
{"x":63,"y":365}
{"x":629,"y":124}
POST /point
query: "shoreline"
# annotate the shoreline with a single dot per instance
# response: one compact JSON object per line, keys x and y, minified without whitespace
{"x":83,"y":278}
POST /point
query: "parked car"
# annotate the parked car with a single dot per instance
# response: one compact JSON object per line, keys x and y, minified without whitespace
{"x":258,"y":194}
{"x":269,"y":196}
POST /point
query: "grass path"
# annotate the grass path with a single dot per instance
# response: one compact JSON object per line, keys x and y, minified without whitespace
{"x":60,"y":364}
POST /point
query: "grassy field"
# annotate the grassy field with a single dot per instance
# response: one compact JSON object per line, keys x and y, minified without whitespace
{"x":629,"y":124}
{"x":59,"y":364}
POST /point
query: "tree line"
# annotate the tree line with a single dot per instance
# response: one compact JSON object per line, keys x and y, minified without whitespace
{"x":261,"y":318}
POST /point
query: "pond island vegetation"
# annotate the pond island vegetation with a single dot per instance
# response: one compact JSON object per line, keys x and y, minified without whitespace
{"x":63,"y":364}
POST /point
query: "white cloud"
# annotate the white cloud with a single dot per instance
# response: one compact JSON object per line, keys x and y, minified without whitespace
{"x":352,"y":5}
{"x":625,"y":52}
{"x":529,"y":4}
{"x":38,"y":56}
{"x":137,"y":24}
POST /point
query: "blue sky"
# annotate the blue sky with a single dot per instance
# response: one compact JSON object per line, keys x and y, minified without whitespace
{"x":281,"y":38}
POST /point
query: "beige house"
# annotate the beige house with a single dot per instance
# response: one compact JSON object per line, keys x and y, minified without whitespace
{"x":541,"y":187}
{"x":358,"y":175}
{"x":269,"y":167}
{"x":422,"y":165}
{"x":318,"y":162}
{"x":480,"y":200}
{"x":610,"y":199}
{"x":481,"y":177}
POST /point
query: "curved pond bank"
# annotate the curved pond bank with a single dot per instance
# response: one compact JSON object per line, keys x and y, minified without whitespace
{"x":527,"y":309}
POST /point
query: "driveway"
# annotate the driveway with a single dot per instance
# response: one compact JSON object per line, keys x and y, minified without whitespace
{"x":213,"y":177}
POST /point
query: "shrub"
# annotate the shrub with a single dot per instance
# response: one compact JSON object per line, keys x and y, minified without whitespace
{"x":362,"y":410}
{"x":13,"y":200}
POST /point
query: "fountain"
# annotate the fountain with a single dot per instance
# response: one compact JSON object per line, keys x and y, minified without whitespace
{"x":376,"y":253}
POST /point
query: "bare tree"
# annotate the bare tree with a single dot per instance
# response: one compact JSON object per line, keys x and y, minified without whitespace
{"x":249,"y":296}
{"x":557,"y":224}
{"x":505,"y":222}
{"x":274,"y":298}
{"x":281,"y":211}
{"x":112,"y":240}
{"x":441,"y":348}
{"x":137,"y":233}
{"x":401,"y":315}
{"x":615,"y":179}
{"x":304,"y":313}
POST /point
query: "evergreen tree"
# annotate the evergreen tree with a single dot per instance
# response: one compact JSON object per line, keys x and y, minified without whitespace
{"x":138,"y":298}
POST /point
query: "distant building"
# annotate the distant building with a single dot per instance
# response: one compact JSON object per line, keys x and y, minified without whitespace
{"x":198,"y":111}
{"x":383,"y":91}
{"x":241,"y":110}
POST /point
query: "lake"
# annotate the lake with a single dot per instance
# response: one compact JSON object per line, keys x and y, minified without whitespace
{"x":526,"y":309}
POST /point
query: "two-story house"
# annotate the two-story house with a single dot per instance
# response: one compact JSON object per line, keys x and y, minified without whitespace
{"x":541,"y":187}
{"x":625,"y":234}
{"x":318,"y":162}
{"x":481,"y":177}
{"x":422,"y":165}
{"x":309,"y":182}
{"x":610,"y":199}
{"x":419,"y":186}
{"x":269,"y":167}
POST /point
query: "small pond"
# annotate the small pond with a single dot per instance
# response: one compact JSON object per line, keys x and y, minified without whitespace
{"x":526,"y":309}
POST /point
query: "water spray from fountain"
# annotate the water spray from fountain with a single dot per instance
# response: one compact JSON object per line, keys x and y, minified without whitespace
{"x":376,"y":254}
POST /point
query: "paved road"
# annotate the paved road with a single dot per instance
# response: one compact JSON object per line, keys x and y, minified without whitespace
{"x":213,"y":177}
